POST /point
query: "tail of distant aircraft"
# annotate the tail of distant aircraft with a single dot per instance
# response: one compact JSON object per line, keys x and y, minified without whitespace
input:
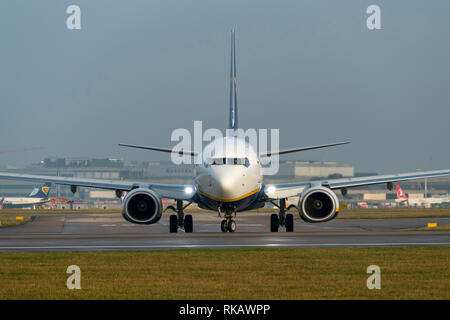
{"x":233,"y":86}
{"x":41,"y":192}
{"x":400,"y":193}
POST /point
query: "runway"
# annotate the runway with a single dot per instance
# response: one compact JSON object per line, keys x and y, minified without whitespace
{"x":94,"y":232}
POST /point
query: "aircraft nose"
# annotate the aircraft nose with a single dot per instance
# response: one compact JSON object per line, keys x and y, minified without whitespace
{"x":227,"y":183}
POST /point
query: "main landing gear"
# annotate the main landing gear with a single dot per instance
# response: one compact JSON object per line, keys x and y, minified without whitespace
{"x":281,"y":219}
{"x":180,"y":220}
{"x":228,"y":224}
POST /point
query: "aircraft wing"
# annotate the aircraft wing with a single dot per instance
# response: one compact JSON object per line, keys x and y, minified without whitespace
{"x":169,"y":191}
{"x":370,"y":180}
{"x":285,"y":151}
{"x":167,"y":150}
{"x":285,"y":190}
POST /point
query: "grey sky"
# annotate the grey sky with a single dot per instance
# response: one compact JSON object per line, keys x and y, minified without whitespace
{"x":139,"y":69}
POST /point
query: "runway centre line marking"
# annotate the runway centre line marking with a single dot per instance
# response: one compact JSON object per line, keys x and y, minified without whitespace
{"x":236,"y":245}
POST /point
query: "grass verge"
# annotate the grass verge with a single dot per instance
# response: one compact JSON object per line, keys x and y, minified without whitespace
{"x":443,"y":227}
{"x":290,"y":273}
{"x":8,"y":220}
{"x":55,"y":211}
{"x":387,"y":213}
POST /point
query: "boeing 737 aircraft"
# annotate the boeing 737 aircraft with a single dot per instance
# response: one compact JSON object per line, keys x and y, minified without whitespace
{"x":230,"y":180}
{"x":37,"y":197}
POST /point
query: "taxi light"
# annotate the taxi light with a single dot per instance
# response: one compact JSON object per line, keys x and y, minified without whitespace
{"x":270,"y":189}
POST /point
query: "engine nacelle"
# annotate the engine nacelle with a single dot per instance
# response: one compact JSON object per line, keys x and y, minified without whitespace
{"x":318,"y":204}
{"x":142,"y":206}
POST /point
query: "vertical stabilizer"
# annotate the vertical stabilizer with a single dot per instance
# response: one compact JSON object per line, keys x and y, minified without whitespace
{"x":400,"y":193}
{"x":233,"y":124}
{"x":41,"y":192}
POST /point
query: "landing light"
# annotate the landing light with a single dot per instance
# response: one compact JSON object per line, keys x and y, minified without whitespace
{"x":270,"y":189}
{"x":188,"y":190}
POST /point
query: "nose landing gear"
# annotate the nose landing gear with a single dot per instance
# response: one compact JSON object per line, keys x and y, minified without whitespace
{"x":228,"y":224}
{"x":281,"y":219}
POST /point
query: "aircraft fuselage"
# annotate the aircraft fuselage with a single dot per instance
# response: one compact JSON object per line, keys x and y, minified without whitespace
{"x":230,"y":176}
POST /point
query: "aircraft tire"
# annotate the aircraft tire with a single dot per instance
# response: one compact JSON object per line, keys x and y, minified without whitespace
{"x":274,"y":222}
{"x":173,"y":223}
{"x":289,"y":223}
{"x":232,"y":226}
{"x":188,"y":223}
{"x":223,"y":226}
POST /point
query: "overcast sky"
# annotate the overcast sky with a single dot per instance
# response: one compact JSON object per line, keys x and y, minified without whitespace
{"x":137,"y":70}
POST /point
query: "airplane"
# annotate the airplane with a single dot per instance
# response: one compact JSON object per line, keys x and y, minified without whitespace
{"x":229,"y":180}
{"x":37,"y":197}
{"x":416,"y":202}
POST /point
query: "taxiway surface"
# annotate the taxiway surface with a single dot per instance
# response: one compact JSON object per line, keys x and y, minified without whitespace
{"x":103,"y":231}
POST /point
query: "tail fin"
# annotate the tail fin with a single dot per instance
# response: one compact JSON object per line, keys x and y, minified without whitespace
{"x":233,"y":86}
{"x":42,"y":192}
{"x":400,"y":193}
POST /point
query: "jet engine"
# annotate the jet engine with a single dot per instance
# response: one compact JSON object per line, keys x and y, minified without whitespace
{"x":142,"y":206}
{"x":318,"y":204}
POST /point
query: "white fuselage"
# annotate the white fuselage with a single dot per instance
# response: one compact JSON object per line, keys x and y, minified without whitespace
{"x":17,"y":200}
{"x":230,"y":172}
{"x":423,"y":202}
{"x":20,"y":202}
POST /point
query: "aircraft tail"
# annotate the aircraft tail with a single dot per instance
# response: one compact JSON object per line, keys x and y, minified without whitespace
{"x":400,"y":193}
{"x":41,"y":192}
{"x":233,"y":124}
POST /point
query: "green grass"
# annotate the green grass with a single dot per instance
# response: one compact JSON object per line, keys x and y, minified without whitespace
{"x":8,"y":220}
{"x":388,"y":213}
{"x":442,"y":227}
{"x":291,"y":273}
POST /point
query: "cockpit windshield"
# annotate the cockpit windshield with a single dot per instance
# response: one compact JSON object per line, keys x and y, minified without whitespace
{"x":34,"y":192}
{"x":229,"y":161}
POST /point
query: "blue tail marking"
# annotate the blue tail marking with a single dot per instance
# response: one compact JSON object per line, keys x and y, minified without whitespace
{"x":233,"y":86}
{"x":42,"y":191}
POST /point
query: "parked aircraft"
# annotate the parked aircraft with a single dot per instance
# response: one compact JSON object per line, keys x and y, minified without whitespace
{"x":38,"y":197}
{"x":418,"y":201}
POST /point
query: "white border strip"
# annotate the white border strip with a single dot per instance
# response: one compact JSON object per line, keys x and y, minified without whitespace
{"x":205,"y":246}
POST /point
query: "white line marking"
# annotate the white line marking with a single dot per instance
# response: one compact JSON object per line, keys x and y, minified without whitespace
{"x":236,"y":245}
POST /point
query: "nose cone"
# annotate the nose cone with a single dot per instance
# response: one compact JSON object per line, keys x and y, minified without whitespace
{"x":228,"y":183}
